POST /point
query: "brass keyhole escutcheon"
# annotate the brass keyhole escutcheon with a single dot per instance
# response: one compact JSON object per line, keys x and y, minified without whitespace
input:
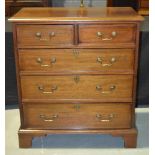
{"x":75,"y":53}
{"x":77,"y":107}
{"x":77,"y":78}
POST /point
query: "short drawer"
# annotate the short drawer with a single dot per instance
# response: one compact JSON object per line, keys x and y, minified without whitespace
{"x":77,"y":116}
{"x":111,"y":88}
{"x":43,"y":35}
{"x":107,"y":34}
{"x":77,"y":60}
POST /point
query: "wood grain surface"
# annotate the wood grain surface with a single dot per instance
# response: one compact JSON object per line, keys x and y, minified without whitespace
{"x":26,"y":34}
{"x":125,"y":33}
{"x":71,"y":117}
{"x":76,"y":71}
{"x":76,"y":14}
{"x":85,"y":88}
{"x":76,"y":61}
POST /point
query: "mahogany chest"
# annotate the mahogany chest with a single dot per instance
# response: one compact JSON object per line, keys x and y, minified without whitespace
{"x":76,"y":71}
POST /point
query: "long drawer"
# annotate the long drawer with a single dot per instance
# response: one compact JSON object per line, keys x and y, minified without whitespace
{"x":77,"y":116}
{"x":77,"y":60}
{"x":43,"y":35}
{"x":110,"y":88}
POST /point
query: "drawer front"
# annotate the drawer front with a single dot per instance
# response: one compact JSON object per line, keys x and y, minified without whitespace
{"x":77,"y":60}
{"x":107,"y":34}
{"x":42,"y":35}
{"x":111,"y":88}
{"x":77,"y":116}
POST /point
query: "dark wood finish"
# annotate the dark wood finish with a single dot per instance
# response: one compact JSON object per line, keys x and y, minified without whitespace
{"x":13,"y":6}
{"x":75,"y":85}
{"x":109,"y":3}
{"x":144,"y":3}
{"x":143,"y":7}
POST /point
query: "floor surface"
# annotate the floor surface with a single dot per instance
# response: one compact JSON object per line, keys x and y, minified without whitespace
{"x":77,"y":144}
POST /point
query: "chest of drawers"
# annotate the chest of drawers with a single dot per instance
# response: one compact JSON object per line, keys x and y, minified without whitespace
{"x":76,"y":71}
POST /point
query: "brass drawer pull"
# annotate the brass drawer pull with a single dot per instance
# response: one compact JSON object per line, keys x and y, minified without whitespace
{"x":100,"y":60}
{"x":39,"y":36}
{"x":104,"y":118}
{"x":48,"y":119}
{"x":41,"y":89}
{"x":111,"y":89}
{"x":40,"y":61}
{"x":101,"y":36}
{"x":52,"y":34}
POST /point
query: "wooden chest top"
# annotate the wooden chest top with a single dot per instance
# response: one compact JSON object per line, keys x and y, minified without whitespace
{"x":76,"y":14}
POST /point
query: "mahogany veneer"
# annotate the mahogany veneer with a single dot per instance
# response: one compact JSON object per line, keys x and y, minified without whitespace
{"x":76,"y":71}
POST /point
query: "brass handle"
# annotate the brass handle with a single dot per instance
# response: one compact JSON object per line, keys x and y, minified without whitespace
{"x":101,"y":36}
{"x":39,"y":36}
{"x":48,"y":119}
{"x":105,"y":118}
{"x":40,"y":61}
{"x":101,"y":60}
{"x":111,"y":89}
{"x":41,"y":89}
{"x":52,"y":34}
